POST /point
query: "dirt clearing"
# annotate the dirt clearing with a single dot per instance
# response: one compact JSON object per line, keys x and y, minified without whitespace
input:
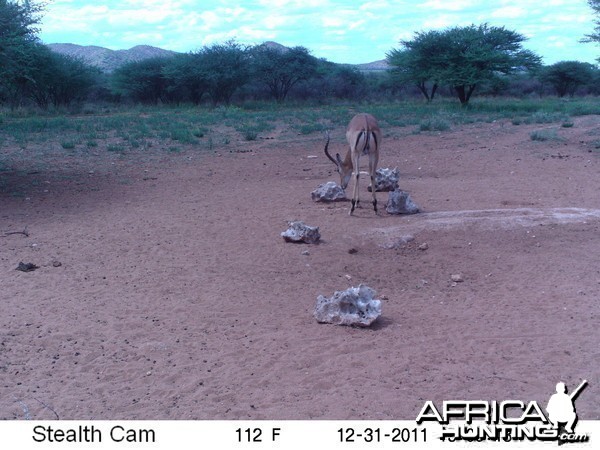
{"x":165,"y":291}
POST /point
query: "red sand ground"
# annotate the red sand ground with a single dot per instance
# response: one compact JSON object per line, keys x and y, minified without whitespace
{"x":176,"y":297}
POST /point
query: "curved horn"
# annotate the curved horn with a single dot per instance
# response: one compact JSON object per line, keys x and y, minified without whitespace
{"x":327,"y":152}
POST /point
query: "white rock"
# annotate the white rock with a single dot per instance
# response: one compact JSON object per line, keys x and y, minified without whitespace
{"x":328,"y":192}
{"x":386,"y":179}
{"x":399,"y":202}
{"x":354,"y":306}
{"x":300,"y":232}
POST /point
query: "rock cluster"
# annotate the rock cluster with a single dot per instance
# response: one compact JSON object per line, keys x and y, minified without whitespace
{"x":300,"y":232}
{"x":354,"y":306}
{"x":328,"y":192}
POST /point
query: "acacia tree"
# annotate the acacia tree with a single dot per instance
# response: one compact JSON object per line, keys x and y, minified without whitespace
{"x":462,"y":57}
{"x":567,"y":76}
{"x":282,"y":68}
{"x":595,"y":35}
{"x":18,"y":38}
{"x":142,"y":81}
{"x":414,"y":63}
{"x":186,"y":80}
{"x":225,"y":68}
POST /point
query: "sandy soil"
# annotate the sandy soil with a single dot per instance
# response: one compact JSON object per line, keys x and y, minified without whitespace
{"x":166,"y":292}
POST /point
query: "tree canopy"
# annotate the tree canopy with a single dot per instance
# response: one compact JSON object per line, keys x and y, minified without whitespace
{"x":18,"y":37}
{"x":225,"y":68}
{"x":28,"y":69}
{"x":566,"y":76}
{"x":461,"y":57}
{"x":595,"y":35}
{"x":142,"y":81}
{"x":282,"y":68}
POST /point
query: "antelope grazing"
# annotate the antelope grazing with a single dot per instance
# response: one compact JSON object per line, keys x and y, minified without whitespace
{"x":364,"y":136}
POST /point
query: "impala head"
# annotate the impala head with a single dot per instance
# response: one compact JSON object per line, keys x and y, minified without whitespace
{"x":344,"y":168}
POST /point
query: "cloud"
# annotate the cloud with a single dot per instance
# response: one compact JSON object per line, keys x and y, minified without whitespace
{"x":443,"y":5}
{"x":136,"y":38}
{"x":293,"y":3}
{"x":379,"y":5}
{"x":441,"y":21}
{"x":556,"y":41}
{"x":347,"y":19}
{"x":274,"y":21}
{"x":509,"y":12}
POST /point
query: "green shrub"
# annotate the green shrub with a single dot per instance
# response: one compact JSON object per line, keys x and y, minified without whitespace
{"x":117,"y":148}
{"x":434,"y":124}
{"x":544,"y":135}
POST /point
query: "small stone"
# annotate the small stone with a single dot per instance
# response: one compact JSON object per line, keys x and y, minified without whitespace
{"x":26,"y":267}
{"x":56,"y":263}
{"x":400,"y":242}
{"x":352,"y":251}
{"x":424,"y":246}
{"x":305,"y":253}
{"x":457,"y":278}
{"x":348,"y":277}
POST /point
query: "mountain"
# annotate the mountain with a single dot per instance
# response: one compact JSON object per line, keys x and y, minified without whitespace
{"x":108,"y":60}
{"x":375,"y":66}
{"x":275,"y":46}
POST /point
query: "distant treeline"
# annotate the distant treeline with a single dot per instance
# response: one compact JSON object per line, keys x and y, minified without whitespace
{"x":453,"y":62}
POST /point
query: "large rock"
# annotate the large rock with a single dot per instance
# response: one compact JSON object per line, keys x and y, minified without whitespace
{"x":328,"y":192}
{"x":354,"y":306}
{"x":386,"y":179}
{"x":300,"y":232}
{"x":399,"y":202}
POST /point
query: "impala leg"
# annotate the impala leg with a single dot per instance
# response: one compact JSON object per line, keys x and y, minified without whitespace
{"x":355,"y":199}
{"x":373,"y":189}
{"x":372,"y":168}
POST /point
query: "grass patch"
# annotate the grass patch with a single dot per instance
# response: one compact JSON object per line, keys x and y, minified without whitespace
{"x":116,"y":148}
{"x":434,"y":123}
{"x":251,"y":129}
{"x":199,"y":133}
{"x":545,"y":117}
{"x":250,"y":135}
{"x":166,"y":126}
{"x":309,"y":128}
{"x":544,"y":135}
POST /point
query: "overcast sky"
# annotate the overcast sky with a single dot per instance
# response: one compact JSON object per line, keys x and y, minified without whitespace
{"x":340,"y":31}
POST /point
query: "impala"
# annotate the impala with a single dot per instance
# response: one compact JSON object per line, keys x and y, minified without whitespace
{"x":364,"y":136}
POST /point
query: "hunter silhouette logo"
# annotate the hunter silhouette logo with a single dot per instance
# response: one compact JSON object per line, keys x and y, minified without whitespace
{"x":508,"y":420}
{"x":561,"y":407}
